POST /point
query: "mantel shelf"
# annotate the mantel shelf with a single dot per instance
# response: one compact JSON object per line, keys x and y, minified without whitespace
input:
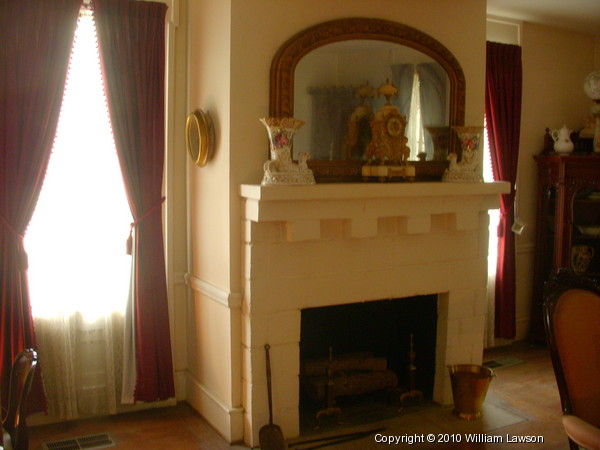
{"x":364,"y":204}
{"x":349,"y":191}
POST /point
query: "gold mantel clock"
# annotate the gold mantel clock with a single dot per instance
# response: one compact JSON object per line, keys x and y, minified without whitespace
{"x":387,"y":153}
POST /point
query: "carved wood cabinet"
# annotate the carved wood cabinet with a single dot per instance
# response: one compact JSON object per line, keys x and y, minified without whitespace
{"x":568,"y":223}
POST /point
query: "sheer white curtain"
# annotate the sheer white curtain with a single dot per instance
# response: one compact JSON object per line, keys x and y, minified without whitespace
{"x":406,"y":79}
{"x":79,"y":272}
{"x":414,"y":132}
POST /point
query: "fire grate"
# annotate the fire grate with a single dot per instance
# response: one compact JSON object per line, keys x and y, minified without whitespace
{"x":94,"y":441}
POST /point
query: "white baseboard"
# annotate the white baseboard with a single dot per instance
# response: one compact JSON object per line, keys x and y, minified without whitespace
{"x":522,"y":329}
{"x":180,"y":391}
{"x":228,"y":421}
{"x":47,"y":419}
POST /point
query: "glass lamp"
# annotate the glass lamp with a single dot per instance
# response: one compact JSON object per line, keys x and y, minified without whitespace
{"x":591,"y":86}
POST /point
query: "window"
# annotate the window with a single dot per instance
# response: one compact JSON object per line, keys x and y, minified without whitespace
{"x":76,"y":239}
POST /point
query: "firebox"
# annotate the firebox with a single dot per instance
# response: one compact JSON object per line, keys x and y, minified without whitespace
{"x":367,"y":348}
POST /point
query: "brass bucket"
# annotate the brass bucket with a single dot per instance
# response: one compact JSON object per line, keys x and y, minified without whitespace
{"x":469,"y":386}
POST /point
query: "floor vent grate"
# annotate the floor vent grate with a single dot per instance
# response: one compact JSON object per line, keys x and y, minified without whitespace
{"x":103,"y":440}
{"x":505,"y":361}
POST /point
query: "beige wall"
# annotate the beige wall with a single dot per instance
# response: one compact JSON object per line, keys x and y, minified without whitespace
{"x":212,"y":325}
{"x":555,"y":63}
{"x":209,"y":89}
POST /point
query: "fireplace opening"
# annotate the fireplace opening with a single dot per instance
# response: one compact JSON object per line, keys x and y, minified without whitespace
{"x":365,"y":347}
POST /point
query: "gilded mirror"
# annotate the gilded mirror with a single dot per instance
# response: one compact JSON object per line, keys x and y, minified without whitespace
{"x":320,"y":76}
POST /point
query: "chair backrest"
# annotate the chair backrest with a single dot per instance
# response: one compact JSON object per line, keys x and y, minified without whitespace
{"x":21,"y":378}
{"x":572,"y":319}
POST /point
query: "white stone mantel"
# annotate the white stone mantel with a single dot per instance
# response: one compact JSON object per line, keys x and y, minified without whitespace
{"x":303,"y":207}
{"x":329,"y":244}
{"x":341,"y":191}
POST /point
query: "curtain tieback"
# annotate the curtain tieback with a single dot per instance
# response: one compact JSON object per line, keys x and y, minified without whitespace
{"x":503,"y":225}
{"x":137,"y":220}
{"x":24,"y":260}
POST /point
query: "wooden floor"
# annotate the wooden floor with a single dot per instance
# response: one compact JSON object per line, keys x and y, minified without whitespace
{"x":527,"y":389}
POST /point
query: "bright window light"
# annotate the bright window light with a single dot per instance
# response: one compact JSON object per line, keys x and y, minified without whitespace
{"x":416,"y":139}
{"x":494,"y":214}
{"x":76,"y":239}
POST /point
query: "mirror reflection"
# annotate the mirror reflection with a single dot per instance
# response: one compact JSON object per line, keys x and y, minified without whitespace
{"x":336,"y":93}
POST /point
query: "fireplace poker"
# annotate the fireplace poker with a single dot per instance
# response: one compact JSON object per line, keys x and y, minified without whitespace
{"x":413,"y":392}
{"x":330,"y":409}
{"x":335,"y":439}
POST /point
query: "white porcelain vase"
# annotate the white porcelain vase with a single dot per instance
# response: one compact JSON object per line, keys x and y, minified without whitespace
{"x":281,"y":169}
{"x":469,"y":167}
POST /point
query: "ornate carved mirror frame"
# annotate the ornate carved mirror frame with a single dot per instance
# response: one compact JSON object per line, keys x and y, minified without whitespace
{"x":281,"y":103}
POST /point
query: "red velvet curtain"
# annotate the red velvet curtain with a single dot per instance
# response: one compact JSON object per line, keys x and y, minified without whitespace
{"x":35,"y":44}
{"x":131,"y":38}
{"x":503,"y":115}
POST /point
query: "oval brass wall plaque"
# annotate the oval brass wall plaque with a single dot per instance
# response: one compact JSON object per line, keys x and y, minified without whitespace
{"x":199,"y":137}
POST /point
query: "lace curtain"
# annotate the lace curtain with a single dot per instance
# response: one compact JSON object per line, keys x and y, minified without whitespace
{"x":82,"y":363}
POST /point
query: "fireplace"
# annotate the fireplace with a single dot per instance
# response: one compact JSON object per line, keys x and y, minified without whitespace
{"x":325,"y":245}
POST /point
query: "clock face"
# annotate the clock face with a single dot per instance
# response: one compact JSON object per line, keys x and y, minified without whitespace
{"x":394,"y":126}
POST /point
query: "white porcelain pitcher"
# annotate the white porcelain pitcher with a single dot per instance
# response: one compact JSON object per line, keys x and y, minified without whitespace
{"x":562,"y":140}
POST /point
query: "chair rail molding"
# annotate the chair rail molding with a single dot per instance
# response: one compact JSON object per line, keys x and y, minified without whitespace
{"x":231,"y":300}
